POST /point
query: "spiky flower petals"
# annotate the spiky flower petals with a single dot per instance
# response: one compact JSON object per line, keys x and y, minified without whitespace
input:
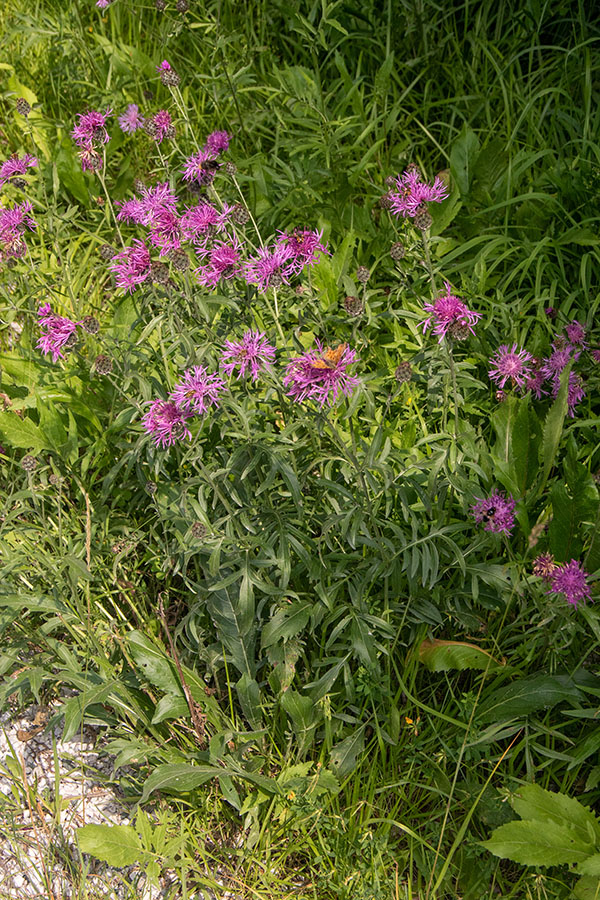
{"x":223,"y":263}
{"x":131,"y":266}
{"x":576,"y":333}
{"x":570,"y":579}
{"x":13,"y":222}
{"x":496,"y":511}
{"x":446,"y":311}
{"x":198,"y":391}
{"x":271,"y":267}
{"x":163,"y":126}
{"x":309,"y":377}
{"x":253,"y":353}
{"x":305,"y":246}
{"x":412,"y":192}
{"x":57,"y":331}
{"x":218,"y":141}
{"x":15,"y":166}
{"x":166,"y":422}
{"x":131,"y":119}
{"x":201,"y":167}
{"x":544,"y":566}
{"x":510,"y":364}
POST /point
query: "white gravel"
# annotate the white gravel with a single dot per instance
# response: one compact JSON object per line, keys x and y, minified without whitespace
{"x":35,"y":851}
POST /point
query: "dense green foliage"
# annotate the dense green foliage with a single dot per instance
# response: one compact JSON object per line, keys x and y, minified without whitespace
{"x":284,"y":675}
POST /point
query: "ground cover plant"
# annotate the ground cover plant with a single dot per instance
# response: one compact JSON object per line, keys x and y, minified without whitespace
{"x":300,"y":377}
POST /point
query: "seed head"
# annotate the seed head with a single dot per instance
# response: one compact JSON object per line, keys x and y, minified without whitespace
{"x":422,"y":218}
{"x":390,"y":180}
{"x":90,"y":324}
{"x":459,"y":331}
{"x":199,"y":531}
{"x":23,"y":107}
{"x":240,"y":214}
{"x":354,"y":306}
{"x":182,"y":6}
{"x":151,"y":129}
{"x":103,"y":365}
{"x":170,"y":78}
{"x":403,"y":372}
{"x":159,"y":272}
{"x":71,"y":341}
{"x":138,"y":185}
{"x":363,"y":274}
{"x":385,"y":201}
{"x":106,"y":251}
{"x":151,"y":487}
{"x":55,"y":479}
{"x":179,"y":260}
{"x":230,"y":168}
{"x":397,"y":251}
{"x":160,"y":5}
{"x":29,"y":464}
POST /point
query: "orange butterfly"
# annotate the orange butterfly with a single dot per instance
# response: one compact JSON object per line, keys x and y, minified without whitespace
{"x":330,"y":357}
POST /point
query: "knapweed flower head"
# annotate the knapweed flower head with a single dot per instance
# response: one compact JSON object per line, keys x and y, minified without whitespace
{"x":305,"y":246}
{"x":575,"y":332}
{"x":16,"y":167}
{"x":198,"y":391}
{"x":199,"y":222}
{"x":13,"y":222}
{"x":131,"y":119}
{"x":90,"y":130}
{"x":132,"y":266}
{"x":222,"y":262}
{"x":166,"y":422}
{"x":321,"y":374}
{"x":570,"y":579}
{"x":496,"y":511}
{"x":448,"y":311}
{"x":201,"y":167}
{"x":165,"y":232}
{"x":557,"y":361}
{"x":271,"y":267}
{"x":218,"y":141}
{"x":575,"y":392}
{"x":152,"y":204}
{"x":411,"y":192}
{"x":57,"y":331}
{"x":167,"y":73}
{"x":512,"y":365}
{"x":544,"y":566}
{"x":163,"y":126}
{"x":252,"y":354}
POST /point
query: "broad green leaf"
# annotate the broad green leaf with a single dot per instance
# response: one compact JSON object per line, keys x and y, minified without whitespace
{"x":232,"y":611}
{"x":587,"y":888}
{"x":437,"y":656}
{"x":527,"y":695}
{"x":463,"y":156}
{"x":343,"y":755}
{"x":248,"y":693}
{"x":304,"y":716}
{"x":179,"y":777}
{"x":590,"y":866}
{"x":75,"y":707}
{"x":533,"y":802}
{"x":531,"y":844}
{"x":286,"y":623}
{"x":171,"y":706}
{"x":118,"y":845}
{"x":156,"y":665}
{"x":525,"y":444}
{"x":23,"y":432}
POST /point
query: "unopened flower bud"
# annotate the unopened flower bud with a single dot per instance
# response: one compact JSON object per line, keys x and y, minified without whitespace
{"x":363,"y":274}
{"x":23,"y":107}
{"x":29,"y":464}
{"x":103,"y":365}
{"x":90,"y":324}
{"x":397,"y":251}
{"x":403,"y":372}
{"x":422,"y":218}
{"x":354,"y":306}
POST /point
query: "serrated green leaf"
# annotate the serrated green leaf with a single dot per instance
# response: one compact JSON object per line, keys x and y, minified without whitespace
{"x":23,"y":433}
{"x":438,"y":656}
{"x":533,"y":802}
{"x":553,"y":426}
{"x":156,"y":665}
{"x":118,"y":845}
{"x":527,"y":843}
{"x":344,"y":755}
{"x":286,"y":623}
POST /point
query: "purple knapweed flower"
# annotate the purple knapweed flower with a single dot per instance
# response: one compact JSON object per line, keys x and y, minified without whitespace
{"x":306,"y":247}
{"x":56,"y":331}
{"x":412,"y":192}
{"x":576,"y":333}
{"x":218,"y":141}
{"x":91,"y":129}
{"x":164,"y":66}
{"x":150,"y":205}
{"x":198,"y":222}
{"x":13,"y":222}
{"x":198,"y":391}
{"x":535,"y":380}
{"x":321,"y":375}
{"x":570,"y":579}
{"x":131,"y":119}
{"x":575,"y":392}
{"x":544,"y":566}
{"x":510,"y":364}
{"x":163,"y":125}
{"x":497,"y":511}
{"x":271,"y":267}
{"x":166,"y":422}
{"x":201,"y":167}
{"x":448,"y":311}
{"x":131,"y":266}
{"x":556,"y":362}
{"x":103,"y":4}
{"x":165,"y":232}
{"x":595,"y":354}
{"x":253,"y":353}
{"x":223,"y":262}
{"x":15,"y":166}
